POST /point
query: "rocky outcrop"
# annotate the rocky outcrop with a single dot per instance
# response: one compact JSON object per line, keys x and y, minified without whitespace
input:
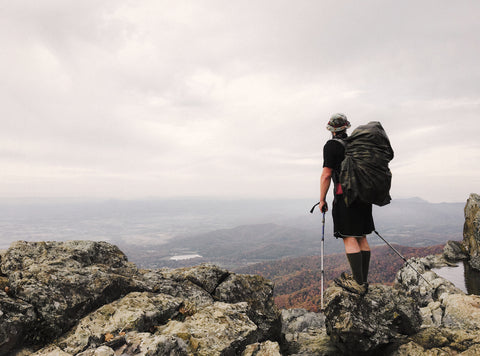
{"x":471,"y":230}
{"x":421,"y":283}
{"x":305,"y":333}
{"x":422,"y":314}
{"x":267,"y":348}
{"x":450,"y":318}
{"x":358,"y":324}
{"x":85,"y":298}
{"x":455,"y":251}
{"x":15,"y":318}
{"x":64,"y":281}
{"x":469,"y":248}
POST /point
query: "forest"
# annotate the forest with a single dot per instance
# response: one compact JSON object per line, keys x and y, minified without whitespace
{"x":297,"y":280}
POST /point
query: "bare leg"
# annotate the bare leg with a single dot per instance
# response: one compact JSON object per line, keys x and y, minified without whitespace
{"x":356,"y":244}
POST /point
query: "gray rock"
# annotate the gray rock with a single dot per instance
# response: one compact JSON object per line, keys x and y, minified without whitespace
{"x":267,"y":348}
{"x":455,"y":251}
{"x":461,"y":311}
{"x":439,"y":341}
{"x":51,"y":350}
{"x":100,"y":351}
{"x":471,"y":227}
{"x":206,"y":276}
{"x":359,"y":324}
{"x":174,"y":283}
{"x":17,"y":319}
{"x":135,"y":312}
{"x":432,"y":314}
{"x":219,"y":329}
{"x":146,"y":344}
{"x":93,"y":302}
{"x":258,"y":293}
{"x":299,"y":320}
{"x":64,"y":281}
{"x":475,"y":262}
{"x":422,"y":284}
{"x":305,"y":334}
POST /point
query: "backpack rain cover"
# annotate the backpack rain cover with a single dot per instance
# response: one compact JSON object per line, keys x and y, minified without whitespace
{"x":364,"y":172}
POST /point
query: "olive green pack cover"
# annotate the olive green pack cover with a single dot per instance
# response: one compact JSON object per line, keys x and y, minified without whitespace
{"x":364,"y":172}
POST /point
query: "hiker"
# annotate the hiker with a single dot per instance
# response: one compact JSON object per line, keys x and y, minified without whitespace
{"x":351,"y":223}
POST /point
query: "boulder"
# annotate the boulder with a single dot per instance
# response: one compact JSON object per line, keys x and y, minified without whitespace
{"x":64,"y":281}
{"x":451,"y":319}
{"x":432,"y":314}
{"x":267,"y":348}
{"x":206,"y":276}
{"x":219,"y":329}
{"x":304,"y":333}
{"x":455,"y":251}
{"x":471,"y":227}
{"x":475,"y":263}
{"x":16,"y":320}
{"x":174,"y":283}
{"x":84,"y":298}
{"x":422,"y":284}
{"x":258,"y":293}
{"x":135,"y":312}
{"x":461,"y":311}
{"x":439,"y":341}
{"x":363,"y":324}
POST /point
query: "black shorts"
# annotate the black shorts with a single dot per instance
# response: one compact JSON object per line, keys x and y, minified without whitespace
{"x":355,"y":220}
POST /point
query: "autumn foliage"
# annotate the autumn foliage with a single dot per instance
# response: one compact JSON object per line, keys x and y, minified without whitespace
{"x":297,"y":280}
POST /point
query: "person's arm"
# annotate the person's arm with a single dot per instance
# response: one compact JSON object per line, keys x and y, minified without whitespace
{"x":325,"y":179}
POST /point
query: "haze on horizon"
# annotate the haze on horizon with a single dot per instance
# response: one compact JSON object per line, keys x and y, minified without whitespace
{"x":121,"y":99}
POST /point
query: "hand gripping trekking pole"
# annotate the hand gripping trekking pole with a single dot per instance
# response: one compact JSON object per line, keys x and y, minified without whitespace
{"x":321,"y":253}
{"x":403,"y":258}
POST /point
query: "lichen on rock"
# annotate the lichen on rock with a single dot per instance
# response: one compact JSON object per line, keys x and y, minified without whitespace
{"x":85,"y":298}
{"x":471,"y":229}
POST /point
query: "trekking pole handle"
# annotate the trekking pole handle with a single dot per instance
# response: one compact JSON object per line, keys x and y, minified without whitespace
{"x":325,"y":207}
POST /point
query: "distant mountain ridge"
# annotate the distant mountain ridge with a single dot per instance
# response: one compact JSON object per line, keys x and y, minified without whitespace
{"x":152,"y":231}
{"x":238,"y":246}
{"x":407,"y":222}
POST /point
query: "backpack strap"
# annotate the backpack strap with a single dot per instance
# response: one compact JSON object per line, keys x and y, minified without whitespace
{"x":344,"y":144}
{"x":338,"y":187}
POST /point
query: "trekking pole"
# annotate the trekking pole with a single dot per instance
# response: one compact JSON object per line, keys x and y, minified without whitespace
{"x":321,"y":261}
{"x":403,"y":258}
{"x":321,"y":254}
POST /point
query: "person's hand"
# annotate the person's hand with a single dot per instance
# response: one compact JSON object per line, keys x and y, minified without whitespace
{"x":323,"y":206}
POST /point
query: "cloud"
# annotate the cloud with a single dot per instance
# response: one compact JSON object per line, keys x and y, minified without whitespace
{"x":163,"y":98}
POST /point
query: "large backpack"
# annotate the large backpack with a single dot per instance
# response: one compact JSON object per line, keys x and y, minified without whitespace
{"x":364,"y":172}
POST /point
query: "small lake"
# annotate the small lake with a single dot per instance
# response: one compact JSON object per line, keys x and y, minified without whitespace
{"x":184,"y":257}
{"x":463,"y":277}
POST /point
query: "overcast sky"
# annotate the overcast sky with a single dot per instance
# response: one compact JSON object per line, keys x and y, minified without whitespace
{"x":134,"y":99}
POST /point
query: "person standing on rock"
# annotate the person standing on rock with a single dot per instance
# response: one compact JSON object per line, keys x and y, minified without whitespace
{"x":351,"y":223}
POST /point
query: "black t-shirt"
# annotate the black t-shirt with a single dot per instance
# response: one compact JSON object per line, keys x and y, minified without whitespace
{"x":333,"y":154}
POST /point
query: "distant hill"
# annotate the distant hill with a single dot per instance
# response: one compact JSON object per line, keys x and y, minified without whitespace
{"x":235,"y":247}
{"x":408,"y":222}
{"x":230,"y":233}
{"x":294,"y":233}
{"x":297,"y":280}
